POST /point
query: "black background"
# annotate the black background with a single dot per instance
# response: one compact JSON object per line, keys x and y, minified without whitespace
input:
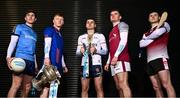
{"x":134,"y":12}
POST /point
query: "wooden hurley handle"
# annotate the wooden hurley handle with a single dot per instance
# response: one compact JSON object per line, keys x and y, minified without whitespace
{"x":162,"y":19}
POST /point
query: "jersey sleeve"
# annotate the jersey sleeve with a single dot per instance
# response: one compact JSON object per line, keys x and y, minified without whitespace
{"x":63,"y":62}
{"x":123,"y":28}
{"x":48,"y":32}
{"x":103,"y":48}
{"x":12,"y":45}
{"x":47,"y":46}
{"x":16,"y":30}
{"x":158,"y":32}
{"x":80,"y":44}
{"x":109,"y":57}
{"x":47,"y":41}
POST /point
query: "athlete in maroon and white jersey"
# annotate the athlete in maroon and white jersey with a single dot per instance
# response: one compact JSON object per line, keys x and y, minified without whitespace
{"x":118,"y":56}
{"x":155,"y":41}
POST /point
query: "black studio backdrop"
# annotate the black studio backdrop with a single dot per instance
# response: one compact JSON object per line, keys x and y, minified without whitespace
{"x":134,"y":12}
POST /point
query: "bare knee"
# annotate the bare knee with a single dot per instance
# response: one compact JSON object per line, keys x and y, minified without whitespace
{"x":156,"y":87}
{"x":27,"y":87}
{"x":15,"y":86}
{"x":166,"y":85}
{"x":85,"y":89}
{"x":99,"y":88}
{"x":122,"y":84}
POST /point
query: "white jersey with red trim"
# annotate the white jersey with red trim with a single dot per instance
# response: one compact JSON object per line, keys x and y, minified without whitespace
{"x":98,"y":40}
{"x":156,"y":42}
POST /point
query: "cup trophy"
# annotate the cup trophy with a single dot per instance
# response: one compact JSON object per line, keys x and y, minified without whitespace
{"x":49,"y":73}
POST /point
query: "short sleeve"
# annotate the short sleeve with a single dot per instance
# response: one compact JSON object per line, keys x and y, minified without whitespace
{"x":123,"y":27}
{"x":167,"y":26}
{"x":48,"y":32}
{"x":16,"y":30}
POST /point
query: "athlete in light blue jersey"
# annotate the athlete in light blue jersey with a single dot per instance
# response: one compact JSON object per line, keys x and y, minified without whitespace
{"x":26,"y":43}
{"x":53,"y":49}
{"x":23,"y":41}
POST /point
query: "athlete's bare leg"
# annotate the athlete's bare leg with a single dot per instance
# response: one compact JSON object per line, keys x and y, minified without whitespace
{"x":16,"y":83}
{"x":99,"y":87}
{"x":165,"y":78}
{"x":123,"y":83}
{"x":156,"y":85}
{"x":117,"y":86}
{"x":45,"y":93}
{"x":26,"y":85}
{"x":85,"y":87}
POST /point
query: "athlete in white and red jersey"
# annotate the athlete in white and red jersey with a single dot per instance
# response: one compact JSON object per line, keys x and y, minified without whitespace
{"x":155,"y":41}
{"x":118,"y":55}
{"x":158,"y":40}
{"x":95,"y":43}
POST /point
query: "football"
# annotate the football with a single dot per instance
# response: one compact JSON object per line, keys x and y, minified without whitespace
{"x":18,"y":65}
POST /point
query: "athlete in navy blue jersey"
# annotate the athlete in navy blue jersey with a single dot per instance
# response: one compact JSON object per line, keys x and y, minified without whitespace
{"x":53,"y":48}
{"x":23,"y":41}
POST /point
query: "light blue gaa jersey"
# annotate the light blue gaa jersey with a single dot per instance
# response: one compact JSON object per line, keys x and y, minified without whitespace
{"x":26,"y":43}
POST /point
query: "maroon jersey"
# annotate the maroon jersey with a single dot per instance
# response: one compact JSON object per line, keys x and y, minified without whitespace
{"x":115,"y":39}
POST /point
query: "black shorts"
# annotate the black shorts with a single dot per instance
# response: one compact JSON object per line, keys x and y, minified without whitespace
{"x":154,"y":66}
{"x":94,"y":71}
{"x":29,"y":69}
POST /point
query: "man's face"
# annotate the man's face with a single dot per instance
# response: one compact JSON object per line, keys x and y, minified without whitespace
{"x":30,"y":18}
{"x":154,"y":17}
{"x":58,"y":21}
{"x":90,"y":24}
{"x":115,"y":16}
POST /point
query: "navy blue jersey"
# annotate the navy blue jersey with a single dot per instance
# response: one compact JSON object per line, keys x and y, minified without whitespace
{"x":57,"y":45}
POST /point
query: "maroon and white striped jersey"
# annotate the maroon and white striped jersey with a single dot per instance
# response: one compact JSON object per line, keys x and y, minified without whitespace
{"x":156,"y":41}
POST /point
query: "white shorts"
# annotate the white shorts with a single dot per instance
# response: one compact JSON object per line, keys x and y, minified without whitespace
{"x":121,"y":66}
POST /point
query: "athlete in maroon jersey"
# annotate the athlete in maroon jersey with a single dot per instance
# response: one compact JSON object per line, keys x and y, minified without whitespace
{"x":155,"y":41}
{"x":118,"y":56}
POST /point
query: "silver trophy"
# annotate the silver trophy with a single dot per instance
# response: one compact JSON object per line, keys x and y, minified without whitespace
{"x":46,"y":75}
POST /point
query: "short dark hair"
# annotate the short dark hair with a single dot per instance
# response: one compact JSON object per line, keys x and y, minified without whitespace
{"x":58,"y":14}
{"x":115,"y":10}
{"x":31,"y":11}
{"x":90,"y":18}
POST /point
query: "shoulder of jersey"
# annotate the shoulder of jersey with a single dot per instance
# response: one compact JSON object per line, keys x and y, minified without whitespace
{"x":48,"y":28}
{"x":83,"y":35}
{"x":167,"y":26}
{"x":98,"y":34}
{"x":16,"y":27}
{"x":123,"y":24}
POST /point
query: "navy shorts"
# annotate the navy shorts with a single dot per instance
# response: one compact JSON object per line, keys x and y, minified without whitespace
{"x":94,"y":71}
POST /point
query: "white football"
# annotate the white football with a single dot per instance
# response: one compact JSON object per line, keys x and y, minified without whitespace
{"x":18,"y":65}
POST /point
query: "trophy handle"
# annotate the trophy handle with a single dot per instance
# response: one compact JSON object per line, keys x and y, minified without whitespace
{"x":57,"y":81}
